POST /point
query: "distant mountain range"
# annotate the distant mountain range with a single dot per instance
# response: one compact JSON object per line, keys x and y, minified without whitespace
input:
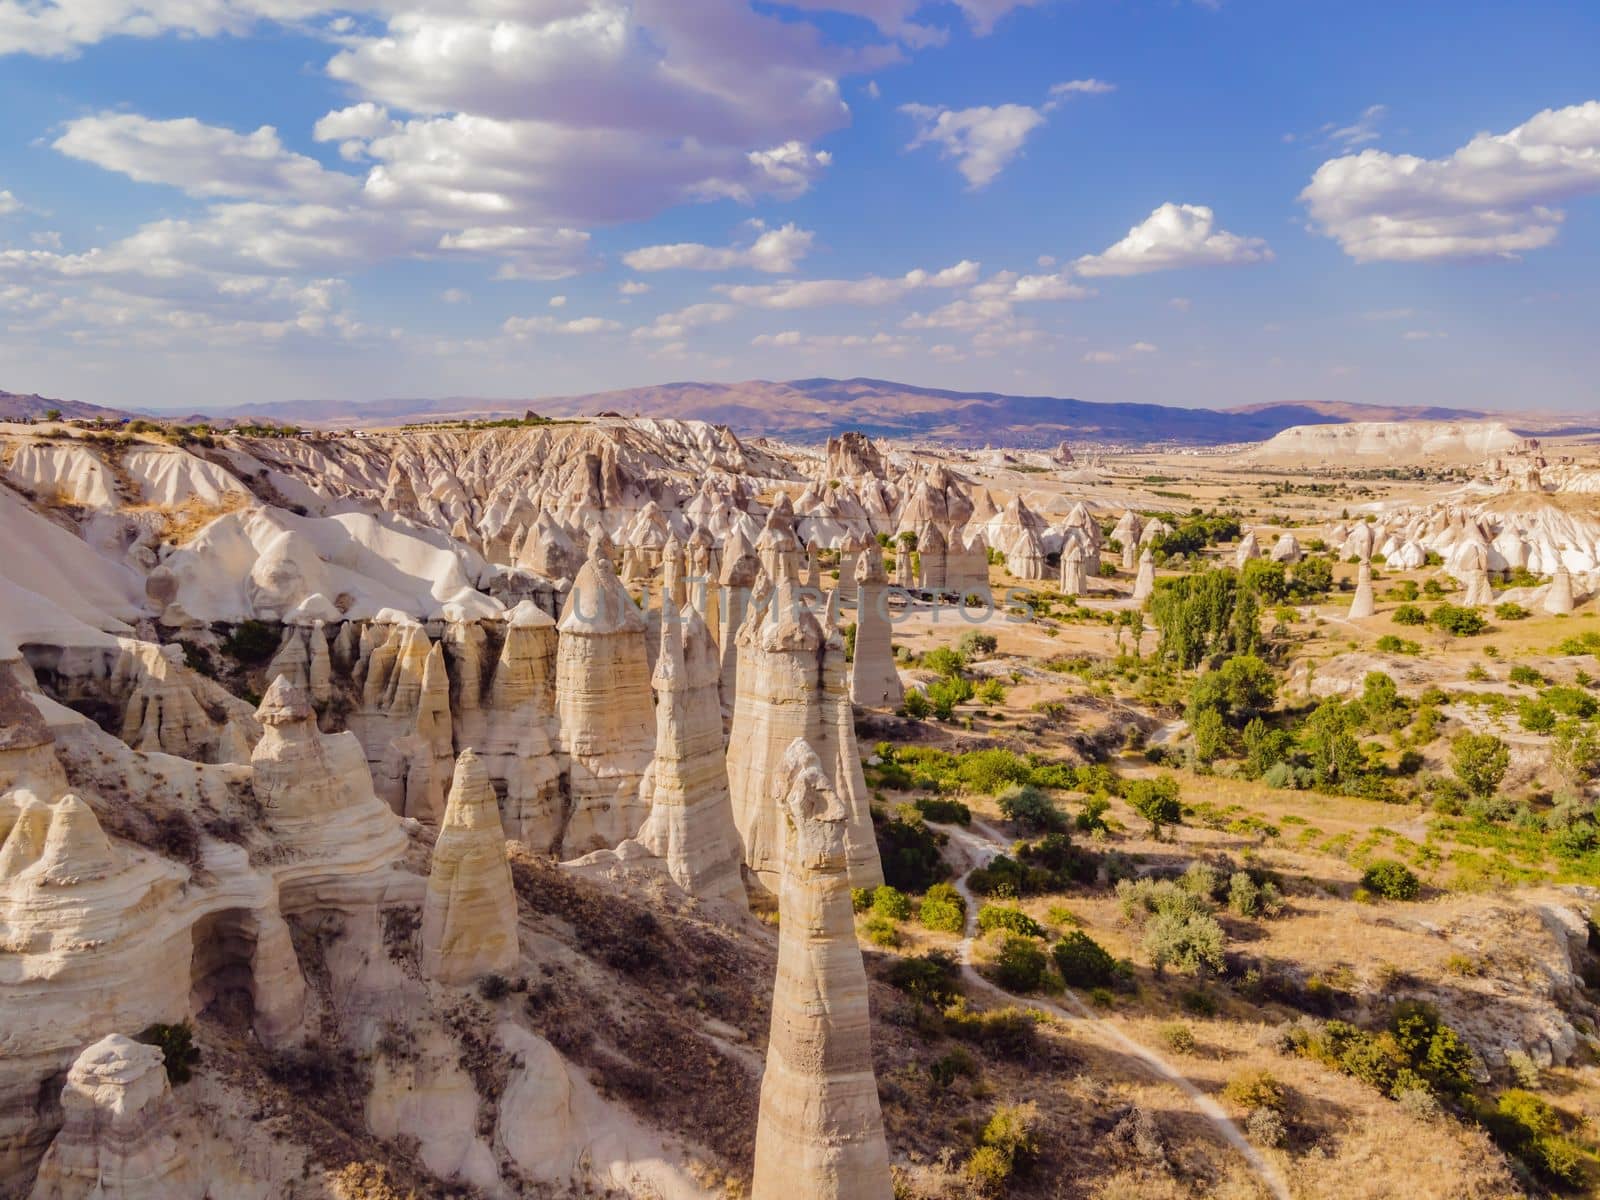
{"x":17,"y":407}
{"x":810,"y":410}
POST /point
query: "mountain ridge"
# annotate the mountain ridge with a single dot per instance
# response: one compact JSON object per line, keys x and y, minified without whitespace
{"x":813,"y":409}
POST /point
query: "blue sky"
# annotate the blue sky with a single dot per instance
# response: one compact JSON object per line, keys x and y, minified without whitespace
{"x":226,"y":201}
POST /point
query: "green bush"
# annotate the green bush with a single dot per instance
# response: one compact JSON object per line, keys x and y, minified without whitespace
{"x":1013,"y":920}
{"x":1480,"y":761}
{"x":908,"y":849}
{"x":1030,"y":809}
{"x":1008,"y":1032}
{"x":944,"y":811}
{"x":1193,"y":944}
{"x":1156,"y":800}
{"x":975,"y":644}
{"x":989,"y":771}
{"x":932,"y":978}
{"x":958,"y":1064}
{"x":1511,"y":611}
{"x":1084,"y":962}
{"x":881,"y":930}
{"x":1530,"y":1128}
{"x":1020,"y":965}
{"x":1409,"y":614}
{"x":1457,"y":621}
{"x":1006,"y":1148}
{"x":943,"y":909}
{"x":1256,"y":1089}
{"x":1178,"y":1037}
{"x":1392,"y":880}
{"x":176,"y":1043}
{"x":251,"y":643}
{"x":891,"y":903}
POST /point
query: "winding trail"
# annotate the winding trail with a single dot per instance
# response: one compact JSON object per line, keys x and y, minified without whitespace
{"x":981,"y":843}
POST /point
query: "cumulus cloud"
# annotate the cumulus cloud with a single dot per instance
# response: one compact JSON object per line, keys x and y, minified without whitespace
{"x":1495,"y":196}
{"x":776,"y":251}
{"x":1082,"y":87}
{"x":203,"y":160}
{"x":454,"y":296}
{"x":521,"y":327}
{"x":8,"y":203}
{"x":793,"y":339}
{"x":984,"y":140}
{"x":981,"y":140}
{"x":1174,"y":236}
{"x":633,"y":287}
{"x":895,"y":17}
{"x":871,"y":290}
{"x":1102,"y":357}
{"x":674,"y":326}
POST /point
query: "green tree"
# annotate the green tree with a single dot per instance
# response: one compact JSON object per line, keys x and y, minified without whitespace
{"x":1479,"y":761}
{"x":1334,"y":753}
{"x":1575,"y":751}
{"x":1156,"y":800}
{"x":1241,"y":688}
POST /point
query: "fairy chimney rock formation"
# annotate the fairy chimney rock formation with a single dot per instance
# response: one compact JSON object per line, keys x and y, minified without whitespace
{"x":1145,"y":584}
{"x":1362,"y":605}
{"x":690,"y":829}
{"x":792,"y":685}
{"x":1072,"y":569}
{"x":119,"y":1137}
{"x":820,"y":1130}
{"x":514,"y":731}
{"x":874,"y":681}
{"x":469,"y":914}
{"x":603,"y":710}
{"x":1558,"y":598}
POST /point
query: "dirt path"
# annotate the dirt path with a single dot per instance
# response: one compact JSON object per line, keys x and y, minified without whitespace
{"x":980,"y":844}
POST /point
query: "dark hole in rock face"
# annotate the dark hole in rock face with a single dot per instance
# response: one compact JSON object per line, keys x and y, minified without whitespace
{"x":222,"y":971}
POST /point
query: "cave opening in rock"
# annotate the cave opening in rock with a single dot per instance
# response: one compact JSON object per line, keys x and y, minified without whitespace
{"x":222,"y":970}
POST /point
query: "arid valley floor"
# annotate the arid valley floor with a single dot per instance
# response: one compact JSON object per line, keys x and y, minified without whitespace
{"x":618,"y":807}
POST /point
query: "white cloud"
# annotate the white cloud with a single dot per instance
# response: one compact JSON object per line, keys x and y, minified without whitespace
{"x":519,"y":327}
{"x":1495,"y":196}
{"x":558,"y":301}
{"x":1082,"y":87}
{"x":1181,"y":303}
{"x":894,"y":17}
{"x":358,"y":122}
{"x":1022,"y":289}
{"x":674,"y":326}
{"x":1142,"y":348}
{"x":872,"y":290}
{"x":1174,"y":236}
{"x":1363,"y":129}
{"x":523,"y":253}
{"x":793,"y":339}
{"x":982,"y":140}
{"x":775,"y":251}
{"x":8,"y":203}
{"x":1102,"y":357}
{"x":454,"y":296}
{"x":203,"y":160}
{"x":1423,"y":335}
{"x":633,"y":287}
